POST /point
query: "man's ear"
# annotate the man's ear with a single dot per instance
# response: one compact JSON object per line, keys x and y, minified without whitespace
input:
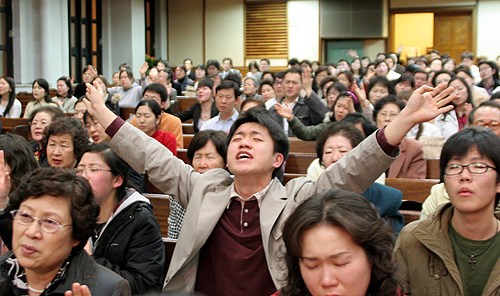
{"x":278,"y":160}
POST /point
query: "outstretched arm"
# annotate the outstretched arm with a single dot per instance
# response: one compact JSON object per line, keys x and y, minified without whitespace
{"x":424,"y":104}
{"x":96,"y":106}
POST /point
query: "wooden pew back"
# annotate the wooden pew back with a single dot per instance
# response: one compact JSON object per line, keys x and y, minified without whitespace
{"x":161,"y":210}
{"x":297,"y":163}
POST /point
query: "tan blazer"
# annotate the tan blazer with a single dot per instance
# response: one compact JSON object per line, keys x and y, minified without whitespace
{"x":411,"y":162}
{"x":206,"y":196}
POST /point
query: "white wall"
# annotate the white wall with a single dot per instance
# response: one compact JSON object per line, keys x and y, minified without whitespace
{"x":488,"y":35}
{"x":123,"y":35}
{"x":41,"y":45}
{"x":303,"y":30}
{"x":225,"y":30}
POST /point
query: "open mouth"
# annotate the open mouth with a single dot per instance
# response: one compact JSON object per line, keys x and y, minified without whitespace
{"x":243,"y":155}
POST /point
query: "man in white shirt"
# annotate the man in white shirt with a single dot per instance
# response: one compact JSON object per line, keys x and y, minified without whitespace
{"x":227,"y":96}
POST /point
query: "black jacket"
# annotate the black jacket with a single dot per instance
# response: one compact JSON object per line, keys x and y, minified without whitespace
{"x":310,"y":111}
{"x":194,"y":113}
{"x":131,"y":245}
{"x":82,"y":269}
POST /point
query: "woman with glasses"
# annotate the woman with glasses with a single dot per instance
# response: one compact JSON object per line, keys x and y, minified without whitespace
{"x":411,"y":162}
{"x":38,"y":121}
{"x":53,"y":214}
{"x":457,"y":249}
{"x":128,"y":238}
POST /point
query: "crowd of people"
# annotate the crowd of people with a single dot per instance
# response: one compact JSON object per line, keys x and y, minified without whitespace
{"x":239,"y":228}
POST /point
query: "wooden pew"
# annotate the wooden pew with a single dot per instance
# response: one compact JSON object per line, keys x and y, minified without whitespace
{"x":186,"y":102}
{"x":188,"y":128}
{"x":289,"y":176}
{"x":433,"y":170}
{"x":125,"y":112}
{"x":187,"y":139}
{"x":300,"y":146}
{"x":169,"y":244}
{"x":297,"y":163}
{"x":10,"y":123}
{"x":415,"y":192}
{"x":161,"y":210}
{"x":182,"y":154}
{"x":413,"y":189}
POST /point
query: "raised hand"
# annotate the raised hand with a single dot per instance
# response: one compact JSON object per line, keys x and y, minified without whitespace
{"x":284,"y":110}
{"x":361,"y":94}
{"x":307,"y":81}
{"x":144,"y":68}
{"x":424,"y":104}
{"x":4,"y":181}
{"x":95,"y":105}
{"x":78,"y":290}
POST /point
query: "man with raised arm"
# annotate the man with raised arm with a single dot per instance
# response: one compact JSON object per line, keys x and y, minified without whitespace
{"x":231,"y":239}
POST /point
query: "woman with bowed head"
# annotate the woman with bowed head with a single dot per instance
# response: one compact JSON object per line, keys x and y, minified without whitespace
{"x":65,"y":98}
{"x":40,"y":97}
{"x":64,"y":141}
{"x":39,"y":120}
{"x":10,"y":107}
{"x":53,"y":215}
{"x":127,"y":239}
{"x":336,"y":140}
{"x":336,"y":244}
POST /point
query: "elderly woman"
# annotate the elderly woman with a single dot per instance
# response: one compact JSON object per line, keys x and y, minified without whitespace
{"x":39,"y":120}
{"x":206,"y":151}
{"x":336,"y":244}
{"x":47,"y":257}
{"x":64,"y":141}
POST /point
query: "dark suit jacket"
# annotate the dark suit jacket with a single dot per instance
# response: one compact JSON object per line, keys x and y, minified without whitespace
{"x":194,"y":113}
{"x":387,"y":200}
{"x":411,"y":162}
{"x":310,"y":111}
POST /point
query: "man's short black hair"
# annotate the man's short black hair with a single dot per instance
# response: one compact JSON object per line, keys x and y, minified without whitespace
{"x":263,"y":117}
{"x":229,"y":84}
{"x":483,"y":104}
{"x":157,"y":88}
{"x":213,"y":63}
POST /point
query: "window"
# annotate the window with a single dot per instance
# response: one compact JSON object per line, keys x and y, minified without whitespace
{"x":266,"y":30}
{"x":85,"y":29}
{"x":6,"y":52}
{"x":149,"y":8}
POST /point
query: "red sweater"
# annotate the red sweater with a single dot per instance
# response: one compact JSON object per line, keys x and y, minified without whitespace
{"x":167,"y":139}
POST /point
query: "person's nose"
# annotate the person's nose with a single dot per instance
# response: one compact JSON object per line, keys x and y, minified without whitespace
{"x":329,"y":277}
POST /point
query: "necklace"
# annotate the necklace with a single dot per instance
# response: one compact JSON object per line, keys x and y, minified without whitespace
{"x":473,"y":257}
{"x":34,"y":290}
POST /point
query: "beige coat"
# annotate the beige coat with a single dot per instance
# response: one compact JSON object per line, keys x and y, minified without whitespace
{"x":206,"y":196}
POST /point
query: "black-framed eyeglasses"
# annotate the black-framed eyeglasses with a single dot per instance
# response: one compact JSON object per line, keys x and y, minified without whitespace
{"x":25,"y":218}
{"x":474,"y":168}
